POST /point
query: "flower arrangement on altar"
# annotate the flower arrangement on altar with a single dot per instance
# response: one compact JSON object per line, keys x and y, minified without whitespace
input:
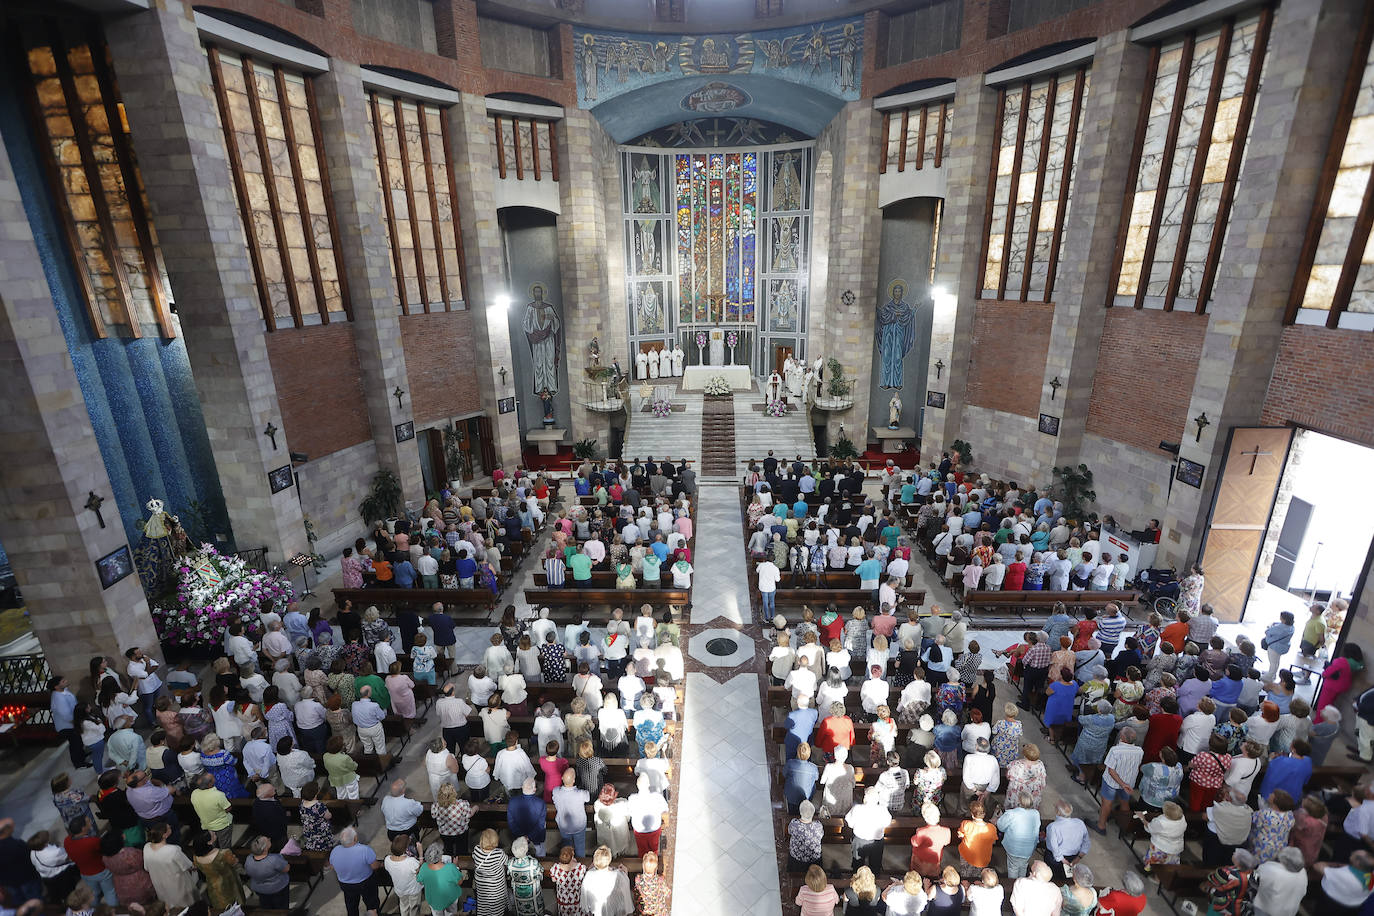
{"x":717,"y":385}
{"x":701,"y":340}
{"x":661,"y":408}
{"x":776,"y":409}
{"x":732,"y":339}
{"x":214,"y":591}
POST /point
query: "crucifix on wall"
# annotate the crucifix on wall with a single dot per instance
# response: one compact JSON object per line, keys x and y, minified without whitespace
{"x":1255,"y":455}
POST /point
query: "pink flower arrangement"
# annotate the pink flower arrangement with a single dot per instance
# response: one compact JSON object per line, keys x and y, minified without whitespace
{"x":732,"y":339}
{"x":661,"y":408}
{"x":205,"y":606}
{"x":776,"y":409}
{"x":701,"y":339}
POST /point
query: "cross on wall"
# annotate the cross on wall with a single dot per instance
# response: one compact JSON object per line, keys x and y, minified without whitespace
{"x":1254,"y":455}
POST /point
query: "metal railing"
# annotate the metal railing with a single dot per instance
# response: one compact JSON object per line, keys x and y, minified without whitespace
{"x":255,"y":558}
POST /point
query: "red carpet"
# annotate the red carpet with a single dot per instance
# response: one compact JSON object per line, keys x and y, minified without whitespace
{"x":531,"y":459}
{"x":907,"y":459}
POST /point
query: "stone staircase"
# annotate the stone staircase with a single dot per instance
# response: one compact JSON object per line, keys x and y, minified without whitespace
{"x":756,"y":433}
{"x":677,"y":435}
{"x":718,"y":438}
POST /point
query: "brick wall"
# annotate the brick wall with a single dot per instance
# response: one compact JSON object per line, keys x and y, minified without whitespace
{"x":439,"y":362}
{"x":1146,"y":366}
{"x":319,"y":388}
{"x":1010,"y":341}
{"x":1323,"y":379}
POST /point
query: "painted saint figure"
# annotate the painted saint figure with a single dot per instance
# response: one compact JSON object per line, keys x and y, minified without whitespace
{"x":896,"y":334}
{"x":542,"y":328}
{"x":589,"y":71}
{"x":787,"y":184}
{"x":848,"y":52}
{"x":646,"y":199}
{"x":785,"y":245}
{"x":650,"y":315}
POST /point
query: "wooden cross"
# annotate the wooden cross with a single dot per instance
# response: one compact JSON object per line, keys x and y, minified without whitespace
{"x":1254,"y":456}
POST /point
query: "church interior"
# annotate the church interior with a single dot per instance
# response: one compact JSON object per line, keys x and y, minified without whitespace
{"x":804,"y":293}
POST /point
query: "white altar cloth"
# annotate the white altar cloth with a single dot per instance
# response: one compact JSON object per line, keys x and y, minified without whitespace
{"x":694,"y":378}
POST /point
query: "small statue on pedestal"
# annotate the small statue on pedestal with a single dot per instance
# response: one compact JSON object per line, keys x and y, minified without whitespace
{"x":594,"y":351}
{"x":894,"y":412}
{"x":546,"y":396}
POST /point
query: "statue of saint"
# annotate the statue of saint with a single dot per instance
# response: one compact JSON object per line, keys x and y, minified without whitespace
{"x":594,"y":351}
{"x":787,"y":184}
{"x":542,"y":327}
{"x":894,"y":412}
{"x":896,"y":334}
{"x":645,"y":187}
{"x":546,"y":397}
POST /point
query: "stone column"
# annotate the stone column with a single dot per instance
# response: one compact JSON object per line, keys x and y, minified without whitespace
{"x":49,"y":462}
{"x":350,"y":154}
{"x":1110,"y":113}
{"x":958,"y":270}
{"x":583,"y":240}
{"x":473,"y":172}
{"x":164,"y":79}
{"x":851,"y":263}
{"x":1309,"y":49}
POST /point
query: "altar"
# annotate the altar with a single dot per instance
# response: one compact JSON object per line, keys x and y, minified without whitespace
{"x":694,"y":378}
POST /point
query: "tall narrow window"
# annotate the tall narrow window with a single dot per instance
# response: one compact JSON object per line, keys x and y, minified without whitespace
{"x":272,"y":130}
{"x":915,"y":137}
{"x":95,"y":182}
{"x":1335,"y":280}
{"x":1031,"y":184}
{"x":1189,"y":149}
{"x":525,"y":148}
{"x":419,"y":202}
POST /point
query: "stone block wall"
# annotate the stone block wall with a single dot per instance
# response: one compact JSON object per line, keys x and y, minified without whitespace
{"x":331,"y":488}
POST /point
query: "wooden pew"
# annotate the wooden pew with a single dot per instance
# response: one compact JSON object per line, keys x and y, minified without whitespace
{"x":1023,"y":601}
{"x":459,"y":602}
{"x":606,"y":597}
{"x":843,"y":598}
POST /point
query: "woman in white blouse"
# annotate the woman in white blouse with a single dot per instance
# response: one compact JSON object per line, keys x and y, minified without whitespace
{"x":476,"y":770}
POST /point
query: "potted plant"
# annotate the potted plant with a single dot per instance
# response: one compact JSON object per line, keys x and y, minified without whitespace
{"x":454,"y":460}
{"x":838,"y":387}
{"x":843,"y":449}
{"x":383,"y":500}
{"x":1073,"y":487}
{"x":584,"y":449}
{"x":964,"y":450}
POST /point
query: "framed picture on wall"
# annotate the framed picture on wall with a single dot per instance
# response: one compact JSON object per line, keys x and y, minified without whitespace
{"x":1049,"y":425}
{"x":405,"y":431}
{"x":935,"y":399}
{"x":114,"y":566}
{"x":281,"y":478}
{"x":505,"y":405}
{"x":1190,"y":472}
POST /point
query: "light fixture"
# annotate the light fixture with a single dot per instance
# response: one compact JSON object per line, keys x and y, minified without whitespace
{"x":502,"y":372}
{"x":271,"y":433}
{"x":93,"y":503}
{"x":1202,"y":423}
{"x":939,"y":367}
{"x":398,"y":394}
{"x":1054,"y":386}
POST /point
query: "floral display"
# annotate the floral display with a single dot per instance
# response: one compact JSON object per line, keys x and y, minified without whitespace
{"x":717,"y":385}
{"x":701,"y":339}
{"x":214,"y":591}
{"x":661,"y":408}
{"x":776,"y":409}
{"x":732,"y":339}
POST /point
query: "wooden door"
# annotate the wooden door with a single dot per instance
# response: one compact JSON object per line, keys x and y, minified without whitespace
{"x":1241,"y":507}
{"x":781,"y":354}
{"x":484,"y":442}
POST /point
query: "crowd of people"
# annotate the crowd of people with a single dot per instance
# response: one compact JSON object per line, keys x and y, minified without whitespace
{"x":1177,"y":732}
{"x":280,"y":729}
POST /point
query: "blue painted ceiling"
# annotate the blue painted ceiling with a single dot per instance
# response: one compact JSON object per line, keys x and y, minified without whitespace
{"x":647,"y":108}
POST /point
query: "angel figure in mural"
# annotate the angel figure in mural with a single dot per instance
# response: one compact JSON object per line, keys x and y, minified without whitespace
{"x":896,"y":334}
{"x":646,"y":198}
{"x":685,"y":133}
{"x":648,"y":246}
{"x":846,"y":56}
{"x":542,"y":327}
{"x":777,"y":52}
{"x":659,"y":56}
{"x":650,"y":312}
{"x":746,"y":131}
{"x":816,"y":51}
{"x":589,"y":70}
{"x":787,"y":183}
{"x":785,"y":254}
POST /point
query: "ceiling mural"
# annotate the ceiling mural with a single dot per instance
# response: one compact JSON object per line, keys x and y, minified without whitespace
{"x":799,"y":77}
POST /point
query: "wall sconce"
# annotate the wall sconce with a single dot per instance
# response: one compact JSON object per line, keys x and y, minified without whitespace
{"x":939,"y":367}
{"x":93,"y":503}
{"x":398,"y":394}
{"x":271,"y":433}
{"x":1054,"y":387}
{"x":1202,"y":423}
{"x":502,"y":372}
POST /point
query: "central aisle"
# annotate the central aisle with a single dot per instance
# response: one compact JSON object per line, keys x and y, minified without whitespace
{"x":725,"y":851}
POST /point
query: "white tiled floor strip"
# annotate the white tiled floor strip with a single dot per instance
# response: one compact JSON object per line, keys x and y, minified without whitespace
{"x":719,"y":588}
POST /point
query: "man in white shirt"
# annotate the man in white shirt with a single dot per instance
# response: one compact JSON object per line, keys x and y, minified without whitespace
{"x":802,"y":683}
{"x":428,"y":568}
{"x":874,"y":692}
{"x":275,"y":643}
{"x":1067,"y":839}
{"x":1120,"y":770}
{"x":296,"y":766}
{"x":899,"y":567}
{"x":1121,"y":575}
{"x":1281,"y":883}
{"x":1345,"y":885}
{"x":258,"y":758}
{"x":142,"y":671}
{"x":630,"y":533}
{"x":596,"y":550}
{"x":1197,"y":728}
{"x":540,"y":626}
{"x":648,"y":813}
{"x":982,"y":775}
{"x":1036,"y":894}
{"x":239,"y":648}
{"x":1102,"y":575}
{"x":769,"y":575}
{"x":868,"y":821}
{"x":400,"y":812}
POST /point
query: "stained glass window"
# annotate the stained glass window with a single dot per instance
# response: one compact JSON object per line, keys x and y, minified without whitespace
{"x":915,"y":137}
{"x":1031,"y":184}
{"x":282,"y":186}
{"x":1336,"y":273}
{"x":1197,"y":116}
{"x":419,"y":209}
{"x":97,"y":186}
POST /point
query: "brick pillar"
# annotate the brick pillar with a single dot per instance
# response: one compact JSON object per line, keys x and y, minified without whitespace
{"x":49,"y":462}
{"x":968,"y":155}
{"x":583,"y":240}
{"x":164,"y":79}
{"x":1309,"y":49}
{"x":350,"y":153}
{"x":1110,"y":113}
{"x":851,"y":261}
{"x":471,"y":141}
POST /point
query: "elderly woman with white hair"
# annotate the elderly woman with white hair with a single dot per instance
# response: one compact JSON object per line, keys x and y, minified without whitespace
{"x":526,"y":879}
{"x":1080,"y":897}
{"x":1094,"y":734}
{"x":804,"y":835}
{"x":606,"y":890}
{"x":1129,"y":898}
{"x":1282,"y":884}
{"x":1230,"y":884}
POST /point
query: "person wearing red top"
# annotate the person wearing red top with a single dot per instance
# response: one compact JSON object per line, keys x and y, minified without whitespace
{"x":83,"y":848}
{"x":1206,"y":773}
{"x":928,"y":843}
{"x":1164,"y":729}
{"x":1015,"y":578}
{"x":1129,"y":901}
{"x":831,"y":627}
{"x":836,"y":730}
{"x":552,"y":766}
{"x":1085,"y":630}
{"x":1177,"y":632}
